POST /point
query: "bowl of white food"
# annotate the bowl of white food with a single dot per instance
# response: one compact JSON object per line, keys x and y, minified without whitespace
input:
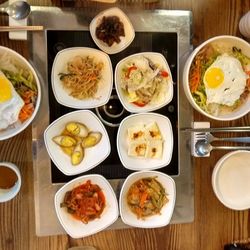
{"x":230,"y":180}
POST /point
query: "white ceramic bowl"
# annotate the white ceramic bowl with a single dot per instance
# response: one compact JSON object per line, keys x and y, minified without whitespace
{"x":10,"y":193}
{"x":93,"y":155}
{"x":221,"y":41}
{"x":104,"y":85}
{"x":154,"y":221}
{"x":128,"y":29}
{"x":77,"y":229}
{"x":9,"y":58}
{"x":157,"y":59}
{"x":139,"y":163}
{"x":230,"y":180}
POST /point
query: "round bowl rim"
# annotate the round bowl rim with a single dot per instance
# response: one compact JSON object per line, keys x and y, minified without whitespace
{"x":186,"y":81}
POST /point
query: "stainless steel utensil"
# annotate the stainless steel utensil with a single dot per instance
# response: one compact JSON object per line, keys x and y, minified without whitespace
{"x":20,"y":28}
{"x":17,"y":10}
{"x":222,"y":129}
{"x":202,"y":148}
{"x":210,"y":138}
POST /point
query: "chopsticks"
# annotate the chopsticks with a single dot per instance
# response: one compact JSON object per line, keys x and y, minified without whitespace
{"x":222,"y":129}
{"x":20,"y":28}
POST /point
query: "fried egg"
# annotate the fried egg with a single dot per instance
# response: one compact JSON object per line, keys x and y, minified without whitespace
{"x":224,"y":80}
{"x":10,"y":102}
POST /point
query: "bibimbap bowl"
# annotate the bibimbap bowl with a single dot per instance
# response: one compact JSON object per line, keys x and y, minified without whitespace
{"x":20,"y":93}
{"x":216,"y":78}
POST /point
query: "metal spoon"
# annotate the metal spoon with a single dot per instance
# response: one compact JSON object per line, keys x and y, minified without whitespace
{"x":203,"y":148}
{"x":17,"y":10}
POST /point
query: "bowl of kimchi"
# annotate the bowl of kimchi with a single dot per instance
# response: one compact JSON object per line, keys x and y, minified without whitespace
{"x":144,"y":82}
{"x":216,"y":78}
{"x":147,"y":199}
{"x":86,"y":205}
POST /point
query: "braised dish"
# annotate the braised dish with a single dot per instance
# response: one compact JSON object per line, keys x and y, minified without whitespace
{"x":77,"y":142}
{"x":110,"y":30}
{"x":75,"y":138}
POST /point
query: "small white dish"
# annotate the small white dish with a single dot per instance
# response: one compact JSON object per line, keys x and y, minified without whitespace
{"x":104,"y":85}
{"x":159,"y":60}
{"x":93,"y":155}
{"x":138,"y":163}
{"x":154,"y":221}
{"x":230,"y":180}
{"x":128,"y":29}
{"x":7,"y":194}
{"x":76,"y":228}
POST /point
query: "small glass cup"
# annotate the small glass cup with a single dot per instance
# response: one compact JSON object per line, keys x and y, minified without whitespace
{"x":8,"y":193}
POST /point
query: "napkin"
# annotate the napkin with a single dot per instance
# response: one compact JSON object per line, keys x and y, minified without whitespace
{"x":17,"y":35}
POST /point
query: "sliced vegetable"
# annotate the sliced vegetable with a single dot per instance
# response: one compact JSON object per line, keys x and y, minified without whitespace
{"x":139,"y":104}
{"x":129,"y":70}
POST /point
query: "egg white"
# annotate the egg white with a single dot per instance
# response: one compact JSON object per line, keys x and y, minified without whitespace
{"x":10,"y":109}
{"x":233,"y":85}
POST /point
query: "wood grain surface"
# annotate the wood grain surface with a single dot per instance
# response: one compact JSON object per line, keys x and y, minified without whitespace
{"x":214,"y":225}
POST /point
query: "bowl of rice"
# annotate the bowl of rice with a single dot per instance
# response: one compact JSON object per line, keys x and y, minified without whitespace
{"x":216,"y":78}
{"x":20,"y":93}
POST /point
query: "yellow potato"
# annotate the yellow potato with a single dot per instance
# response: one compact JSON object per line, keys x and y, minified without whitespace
{"x":91,"y":140}
{"x":77,"y":155}
{"x":64,"y":140}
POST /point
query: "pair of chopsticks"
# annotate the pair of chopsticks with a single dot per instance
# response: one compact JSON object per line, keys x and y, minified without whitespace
{"x":20,"y":28}
{"x":222,"y":129}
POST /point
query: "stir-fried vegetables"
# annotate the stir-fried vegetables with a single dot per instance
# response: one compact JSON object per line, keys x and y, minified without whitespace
{"x":146,"y":197}
{"x":85,"y":202}
{"x":25,"y":86}
{"x":143,"y":81}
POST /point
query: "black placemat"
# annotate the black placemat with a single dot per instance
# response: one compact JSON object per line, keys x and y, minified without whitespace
{"x":165,"y":43}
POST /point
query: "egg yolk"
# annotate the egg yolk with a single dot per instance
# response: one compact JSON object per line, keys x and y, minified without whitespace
{"x":5,"y":90}
{"x":214,"y":77}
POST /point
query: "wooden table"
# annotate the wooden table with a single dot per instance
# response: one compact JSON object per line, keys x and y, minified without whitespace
{"x":214,"y":225}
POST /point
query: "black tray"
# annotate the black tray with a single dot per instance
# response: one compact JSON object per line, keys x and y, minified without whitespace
{"x":165,"y":43}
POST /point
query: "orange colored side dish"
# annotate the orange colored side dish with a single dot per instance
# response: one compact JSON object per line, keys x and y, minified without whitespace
{"x":85,"y":202}
{"x":146,"y":197}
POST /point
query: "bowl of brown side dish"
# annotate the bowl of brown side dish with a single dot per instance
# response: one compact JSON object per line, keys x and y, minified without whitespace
{"x":112,"y":30}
